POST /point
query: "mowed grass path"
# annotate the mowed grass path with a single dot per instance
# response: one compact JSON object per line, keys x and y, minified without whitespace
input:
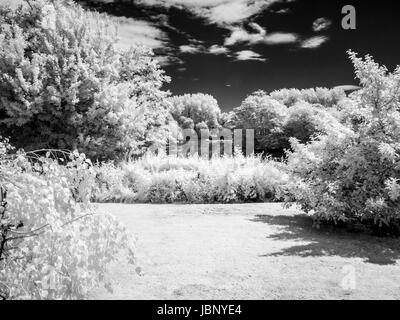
{"x":247,"y":251}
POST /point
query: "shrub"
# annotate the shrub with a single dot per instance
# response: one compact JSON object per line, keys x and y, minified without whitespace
{"x":351,"y":173}
{"x":166,"y":179}
{"x":165,"y":187}
{"x":53,"y":247}
{"x":112,"y":184}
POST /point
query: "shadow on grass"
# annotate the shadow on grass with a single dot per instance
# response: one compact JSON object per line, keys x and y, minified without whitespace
{"x":330,"y":241}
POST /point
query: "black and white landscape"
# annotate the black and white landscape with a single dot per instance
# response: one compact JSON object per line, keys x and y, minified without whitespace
{"x":199,"y":149}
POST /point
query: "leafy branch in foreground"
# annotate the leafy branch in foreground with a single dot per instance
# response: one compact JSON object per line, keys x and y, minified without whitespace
{"x":53,"y":247}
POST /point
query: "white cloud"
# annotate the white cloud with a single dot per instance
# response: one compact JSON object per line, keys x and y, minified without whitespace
{"x":314,"y":42}
{"x":321,"y":24}
{"x":235,"y":11}
{"x":166,"y":60}
{"x":216,"y":49}
{"x":280,"y":38}
{"x":139,"y":32}
{"x":248,"y":55}
{"x":222,"y":12}
{"x":190,"y":48}
{"x":193,"y":49}
{"x":283,"y":11}
{"x":259,"y":36}
{"x":241,"y":35}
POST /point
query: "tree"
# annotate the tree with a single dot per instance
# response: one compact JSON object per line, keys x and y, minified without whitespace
{"x":197,"y":110}
{"x":323,"y":96}
{"x":263,"y":114}
{"x":287,"y":96}
{"x":305,"y":121}
{"x":64,"y":83}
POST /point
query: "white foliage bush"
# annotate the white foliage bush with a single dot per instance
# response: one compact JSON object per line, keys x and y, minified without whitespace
{"x":56,"y":248}
{"x":351,"y":173}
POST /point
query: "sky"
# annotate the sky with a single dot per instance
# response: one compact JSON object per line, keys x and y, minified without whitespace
{"x":231,"y":48}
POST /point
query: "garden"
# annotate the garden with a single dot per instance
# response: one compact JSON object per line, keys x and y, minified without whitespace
{"x":94,"y":206}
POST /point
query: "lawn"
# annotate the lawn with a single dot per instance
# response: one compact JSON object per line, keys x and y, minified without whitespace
{"x":247,"y":251}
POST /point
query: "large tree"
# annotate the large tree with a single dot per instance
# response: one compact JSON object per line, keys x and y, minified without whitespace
{"x":65,"y":84}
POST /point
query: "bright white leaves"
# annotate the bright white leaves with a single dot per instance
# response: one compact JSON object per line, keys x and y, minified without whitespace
{"x":109,"y":100}
{"x":361,"y":160}
{"x":70,"y":254}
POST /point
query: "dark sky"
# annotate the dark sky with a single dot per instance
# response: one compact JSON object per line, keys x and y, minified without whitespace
{"x":295,"y":62}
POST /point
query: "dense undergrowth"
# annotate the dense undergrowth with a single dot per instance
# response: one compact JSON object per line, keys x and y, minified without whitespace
{"x":166,"y":179}
{"x":53,"y":244}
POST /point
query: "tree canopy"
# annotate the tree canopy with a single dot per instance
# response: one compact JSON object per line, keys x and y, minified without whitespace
{"x":65,"y":84}
{"x":196,"y":111}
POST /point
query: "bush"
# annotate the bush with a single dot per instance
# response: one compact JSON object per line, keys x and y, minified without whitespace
{"x":352,"y":173}
{"x":165,"y":187}
{"x":112,"y":184}
{"x":166,"y":179}
{"x":53,"y":247}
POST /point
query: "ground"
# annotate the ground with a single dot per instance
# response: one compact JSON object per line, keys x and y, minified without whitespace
{"x":248,"y":251}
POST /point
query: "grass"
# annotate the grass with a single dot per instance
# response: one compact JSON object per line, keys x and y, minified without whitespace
{"x":248,"y":251}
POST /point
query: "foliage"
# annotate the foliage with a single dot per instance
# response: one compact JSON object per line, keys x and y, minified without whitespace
{"x":54,"y":248}
{"x":275,"y":124}
{"x":195,"y":111}
{"x":263,"y":114}
{"x":328,"y":98}
{"x":351,"y":173}
{"x":166,"y":179}
{"x":305,"y":121}
{"x":65,"y":85}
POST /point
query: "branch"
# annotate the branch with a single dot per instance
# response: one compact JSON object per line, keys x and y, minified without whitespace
{"x":22,"y":237}
{"x":10,"y":181}
{"x":65,"y":152}
{"x":78,"y":218}
{"x":4,"y":296}
{"x":32,"y":231}
{"x":29,"y":4}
